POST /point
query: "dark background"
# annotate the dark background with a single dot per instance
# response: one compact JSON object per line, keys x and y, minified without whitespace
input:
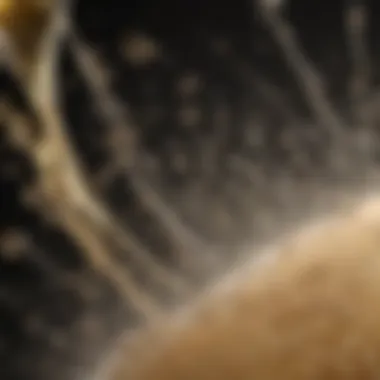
{"x":233,"y":155}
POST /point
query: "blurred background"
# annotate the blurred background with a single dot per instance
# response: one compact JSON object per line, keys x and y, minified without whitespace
{"x":200,"y":128}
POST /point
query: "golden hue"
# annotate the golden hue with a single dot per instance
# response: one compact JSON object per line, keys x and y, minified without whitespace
{"x":311,"y":313}
{"x":24,"y":22}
